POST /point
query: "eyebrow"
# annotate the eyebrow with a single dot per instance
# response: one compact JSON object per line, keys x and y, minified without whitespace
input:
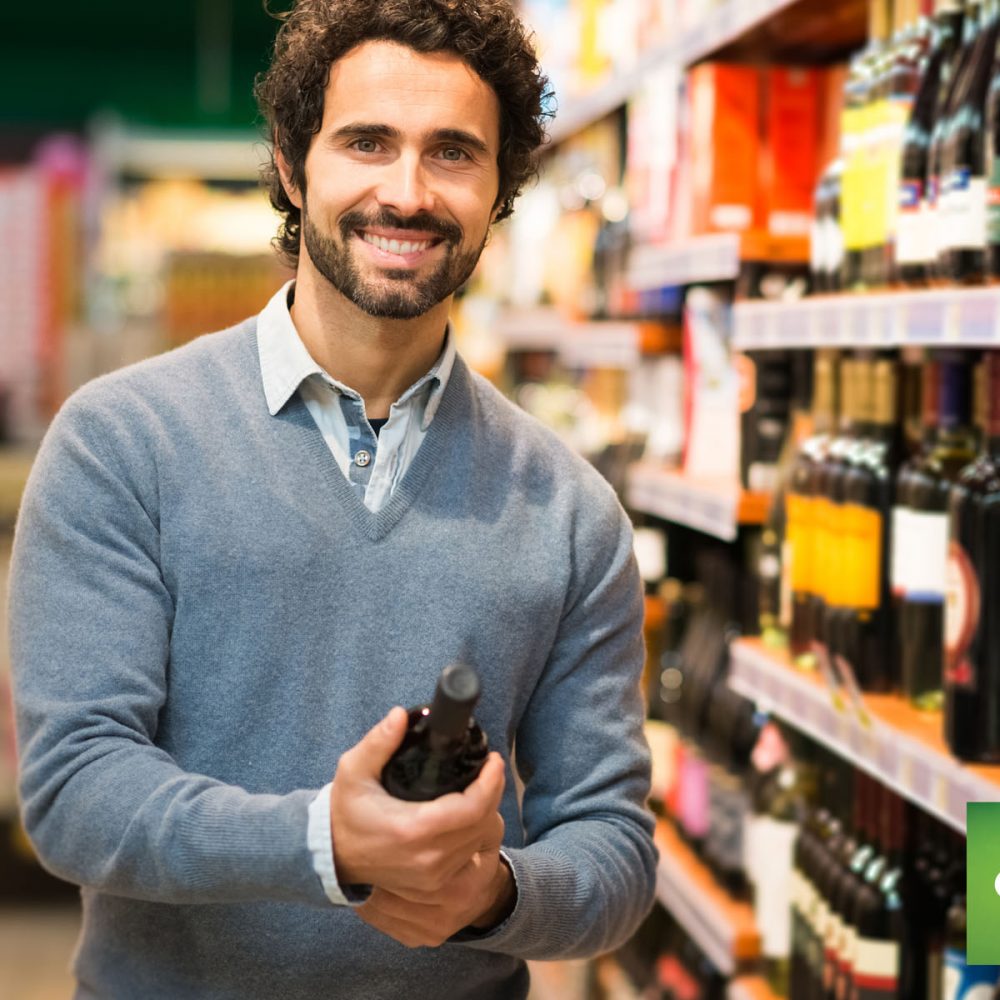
{"x":359,"y":130}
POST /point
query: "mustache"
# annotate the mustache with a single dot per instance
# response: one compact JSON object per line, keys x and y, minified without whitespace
{"x":425,"y":223}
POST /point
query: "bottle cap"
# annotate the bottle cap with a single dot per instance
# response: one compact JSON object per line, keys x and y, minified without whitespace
{"x":456,"y":695}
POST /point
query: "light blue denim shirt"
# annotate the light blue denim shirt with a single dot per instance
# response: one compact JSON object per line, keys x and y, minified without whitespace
{"x":373,"y":464}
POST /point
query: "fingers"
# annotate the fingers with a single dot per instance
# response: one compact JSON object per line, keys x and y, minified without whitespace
{"x":372,"y":752}
{"x":468,"y":808}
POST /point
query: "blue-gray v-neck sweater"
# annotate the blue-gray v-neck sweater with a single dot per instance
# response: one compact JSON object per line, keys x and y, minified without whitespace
{"x":204,"y":616}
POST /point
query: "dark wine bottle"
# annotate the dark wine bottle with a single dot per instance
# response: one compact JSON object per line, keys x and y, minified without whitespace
{"x":963,"y":255}
{"x":937,"y":170}
{"x":925,"y":545}
{"x":972,"y":632}
{"x":911,"y":254}
{"x":444,"y":749}
{"x":877,"y":954}
{"x":800,"y":511}
{"x":870,"y":494}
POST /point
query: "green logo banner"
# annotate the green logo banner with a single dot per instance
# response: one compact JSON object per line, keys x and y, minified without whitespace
{"x":982,"y":850}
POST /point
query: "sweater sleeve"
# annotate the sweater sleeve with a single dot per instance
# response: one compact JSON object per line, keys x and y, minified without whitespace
{"x":587,"y":873}
{"x":90,"y":623}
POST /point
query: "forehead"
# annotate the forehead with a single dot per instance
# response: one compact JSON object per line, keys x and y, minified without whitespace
{"x":381,"y":81}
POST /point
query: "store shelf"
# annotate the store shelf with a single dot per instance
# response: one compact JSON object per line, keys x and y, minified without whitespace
{"x":953,"y":317}
{"x":716,"y":508}
{"x":798,"y":31}
{"x":715,"y":257}
{"x":880,"y":734}
{"x":581,"y":344}
{"x":750,"y":988}
{"x":723,"y":928}
{"x":233,"y":155}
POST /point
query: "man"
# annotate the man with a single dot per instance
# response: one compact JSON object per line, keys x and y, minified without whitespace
{"x":235,"y":559}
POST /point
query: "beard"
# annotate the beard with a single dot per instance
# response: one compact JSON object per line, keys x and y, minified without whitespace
{"x":395,"y":293}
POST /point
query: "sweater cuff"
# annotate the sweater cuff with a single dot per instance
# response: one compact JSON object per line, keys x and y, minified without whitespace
{"x":320,"y":840}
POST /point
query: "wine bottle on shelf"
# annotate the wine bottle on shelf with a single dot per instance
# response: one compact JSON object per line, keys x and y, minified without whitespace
{"x":902,"y":542}
{"x":870,"y":634}
{"x":904,"y":66}
{"x":912,"y":255}
{"x":801,"y":503}
{"x":963,"y":254}
{"x":843,"y":559}
{"x":790,"y":793}
{"x":924,"y":544}
{"x":859,"y":136}
{"x":878,"y":135}
{"x":936,"y":169}
{"x":951,"y":199}
{"x":852,"y":880}
{"x":444,"y":749}
{"x":972,"y":631}
{"x":877,"y":954}
{"x":838,"y":957}
{"x":732,"y":728}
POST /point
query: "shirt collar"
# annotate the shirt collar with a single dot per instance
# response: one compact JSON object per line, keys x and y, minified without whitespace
{"x":285,"y":362}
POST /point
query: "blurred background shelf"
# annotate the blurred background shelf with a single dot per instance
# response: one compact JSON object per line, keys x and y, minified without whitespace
{"x":723,"y":928}
{"x":715,"y":508}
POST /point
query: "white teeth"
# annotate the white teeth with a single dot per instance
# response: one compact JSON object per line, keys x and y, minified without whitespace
{"x":395,"y":246}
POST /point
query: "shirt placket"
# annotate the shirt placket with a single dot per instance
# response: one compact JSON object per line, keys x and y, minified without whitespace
{"x":361,"y":441}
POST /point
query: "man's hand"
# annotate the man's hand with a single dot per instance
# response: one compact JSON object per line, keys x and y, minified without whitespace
{"x":412,"y":850}
{"x":481,"y":895}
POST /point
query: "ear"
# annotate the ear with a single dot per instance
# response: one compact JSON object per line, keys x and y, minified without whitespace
{"x":285,"y":173}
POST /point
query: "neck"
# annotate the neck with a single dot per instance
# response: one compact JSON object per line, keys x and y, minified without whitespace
{"x":378,"y":358}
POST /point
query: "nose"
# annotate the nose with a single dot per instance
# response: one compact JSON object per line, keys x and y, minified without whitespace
{"x":404,"y":186}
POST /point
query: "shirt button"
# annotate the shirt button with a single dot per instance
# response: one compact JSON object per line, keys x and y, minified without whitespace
{"x":362,"y":458}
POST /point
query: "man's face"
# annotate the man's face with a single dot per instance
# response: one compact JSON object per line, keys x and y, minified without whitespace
{"x":401,"y":179}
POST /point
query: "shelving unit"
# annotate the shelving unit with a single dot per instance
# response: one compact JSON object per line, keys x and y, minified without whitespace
{"x":798,"y":30}
{"x":724,"y":929}
{"x":715,"y":508}
{"x":882,"y":735}
{"x":585,"y":344}
{"x":953,"y":317}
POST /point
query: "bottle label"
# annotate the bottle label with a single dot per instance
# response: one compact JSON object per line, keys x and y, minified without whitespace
{"x":927,"y":558}
{"x":901,"y":551}
{"x":961,"y":617}
{"x":909,"y":234}
{"x":967,"y":982}
{"x":876,"y":969}
{"x":775,"y":888}
{"x":965,"y":211}
{"x":862,"y":553}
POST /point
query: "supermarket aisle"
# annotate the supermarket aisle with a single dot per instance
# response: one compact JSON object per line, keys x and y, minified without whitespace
{"x":35,"y":948}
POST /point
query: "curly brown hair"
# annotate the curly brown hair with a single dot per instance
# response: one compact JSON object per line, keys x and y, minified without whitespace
{"x":486,"y":34}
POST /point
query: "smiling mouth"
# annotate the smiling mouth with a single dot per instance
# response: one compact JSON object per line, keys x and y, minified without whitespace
{"x":400,"y":247}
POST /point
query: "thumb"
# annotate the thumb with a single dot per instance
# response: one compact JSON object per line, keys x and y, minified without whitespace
{"x":372,"y":752}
